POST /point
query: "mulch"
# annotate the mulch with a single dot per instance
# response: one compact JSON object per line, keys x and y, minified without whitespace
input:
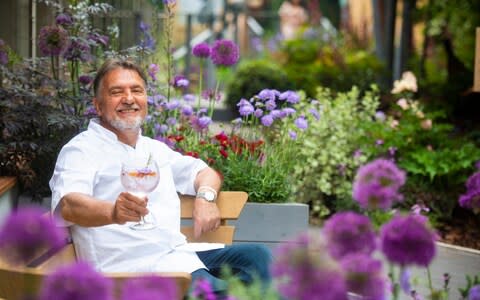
{"x":462,"y":230}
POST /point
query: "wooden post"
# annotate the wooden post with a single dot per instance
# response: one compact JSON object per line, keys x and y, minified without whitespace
{"x":476,"y":80}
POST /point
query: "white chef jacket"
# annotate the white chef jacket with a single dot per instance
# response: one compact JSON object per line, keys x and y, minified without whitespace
{"x":90,"y":163}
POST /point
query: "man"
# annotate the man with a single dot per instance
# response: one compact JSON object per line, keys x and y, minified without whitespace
{"x":87,"y":193}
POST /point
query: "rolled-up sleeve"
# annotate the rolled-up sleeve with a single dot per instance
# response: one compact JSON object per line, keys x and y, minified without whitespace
{"x":185,"y":169}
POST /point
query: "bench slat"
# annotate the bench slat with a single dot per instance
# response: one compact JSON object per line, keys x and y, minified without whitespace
{"x":229,"y":203}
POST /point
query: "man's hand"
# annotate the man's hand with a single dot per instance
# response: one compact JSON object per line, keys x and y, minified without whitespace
{"x":129,"y":208}
{"x":206,"y":217}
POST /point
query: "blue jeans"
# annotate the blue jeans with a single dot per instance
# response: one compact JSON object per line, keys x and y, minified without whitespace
{"x":246,"y":261}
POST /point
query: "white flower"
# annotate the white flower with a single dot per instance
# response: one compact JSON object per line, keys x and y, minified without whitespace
{"x":407,"y":83}
{"x":403,"y":103}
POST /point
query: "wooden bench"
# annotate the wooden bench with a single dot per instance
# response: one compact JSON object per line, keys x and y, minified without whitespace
{"x":13,"y":280}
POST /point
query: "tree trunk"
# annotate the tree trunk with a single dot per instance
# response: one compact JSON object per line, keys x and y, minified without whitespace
{"x":405,"y":37}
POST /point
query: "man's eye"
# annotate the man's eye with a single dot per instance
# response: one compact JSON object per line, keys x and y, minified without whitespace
{"x":116,"y":93}
{"x":138,"y":91}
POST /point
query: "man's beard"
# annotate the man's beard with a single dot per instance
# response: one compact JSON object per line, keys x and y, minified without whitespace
{"x":119,"y":124}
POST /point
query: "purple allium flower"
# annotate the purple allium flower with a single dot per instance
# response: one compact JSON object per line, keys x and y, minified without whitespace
{"x":203,"y":290}
{"x":161,"y":128}
{"x":179,"y":81}
{"x":474,"y":292}
{"x":76,"y":281}
{"x":85,"y":79}
{"x":224,"y":53}
{"x":90,"y":111}
{"x":152,"y":71}
{"x":364,"y":276}
{"x":98,"y":39}
{"x":258,"y":112}
{"x":270,"y":105}
{"x":149,"y":287}
{"x":204,"y":121}
{"x":290,"y":96}
{"x":292,"y":134}
{"x":405,"y":281}
{"x":301,"y":123}
{"x":171,"y":121}
{"x":305,"y":271}
{"x":52,"y":40}
{"x":377,"y":183}
{"x":187,"y":110}
{"x":407,"y":240}
{"x":276,"y":114}
{"x":169,"y":2}
{"x":64,"y":19}
{"x":471,"y":199}
{"x":314,"y":113}
{"x":288,"y":111}
{"x":172,"y":105}
{"x":78,"y":49}
{"x":189,"y":97}
{"x":201,"y":50}
{"x":477,"y":165}
{"x":349,"y":232}
{"x":27,"y":233}
{"x":268,"y":94}
{"x":246,"y":109}
{"x":243,"y":101}
{"x":267,"y":120}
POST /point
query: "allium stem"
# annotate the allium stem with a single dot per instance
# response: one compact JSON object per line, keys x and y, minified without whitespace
{"x":395,"y":285}
{"x":430,"y":285}
{"x":200,"y":84}
{"x":54,"y":72}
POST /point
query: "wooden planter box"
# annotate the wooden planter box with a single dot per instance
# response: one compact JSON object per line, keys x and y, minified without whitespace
{"x":270,"y":223}
{"x":8,"y":196}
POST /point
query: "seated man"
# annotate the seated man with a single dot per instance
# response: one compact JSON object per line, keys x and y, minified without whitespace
{"x":88,"y":194}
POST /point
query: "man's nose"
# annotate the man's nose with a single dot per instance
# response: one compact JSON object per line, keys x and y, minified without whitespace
{"x":128,"y":97}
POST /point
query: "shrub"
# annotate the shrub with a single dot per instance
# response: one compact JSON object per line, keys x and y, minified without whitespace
{"x":328,"y":152}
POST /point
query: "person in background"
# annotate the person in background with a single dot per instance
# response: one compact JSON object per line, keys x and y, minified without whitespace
{"x":87,"y":193}
{"x":292,"y":17}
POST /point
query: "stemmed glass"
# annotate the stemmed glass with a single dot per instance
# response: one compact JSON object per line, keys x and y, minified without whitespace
{"x":140,"y":177}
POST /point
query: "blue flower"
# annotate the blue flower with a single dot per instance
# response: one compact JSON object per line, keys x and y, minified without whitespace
{"x":301,"y":123}
{"x":267,"y":120}
{"x":290,"y":96}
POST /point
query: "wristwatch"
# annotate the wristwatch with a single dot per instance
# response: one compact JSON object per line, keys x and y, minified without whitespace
{"x":207,"y":195}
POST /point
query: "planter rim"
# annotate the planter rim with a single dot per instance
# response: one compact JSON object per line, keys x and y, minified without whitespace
{"x":460,"y":248}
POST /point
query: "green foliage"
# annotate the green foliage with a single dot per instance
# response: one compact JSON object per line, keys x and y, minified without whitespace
{"x":471,"y":282}
{"x":310,"y":63}
{"x":328,"y":149}
{"x":436,"y":160}
{"x":253,"y":76}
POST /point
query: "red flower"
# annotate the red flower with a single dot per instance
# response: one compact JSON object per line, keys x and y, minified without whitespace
{"x":176,"y":138}
{"x":210,"y":161}
{"x":223,"y":153}
{"x":192,"y":153}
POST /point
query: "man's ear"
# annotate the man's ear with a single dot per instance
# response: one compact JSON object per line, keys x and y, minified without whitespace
{"x":96,"y":104}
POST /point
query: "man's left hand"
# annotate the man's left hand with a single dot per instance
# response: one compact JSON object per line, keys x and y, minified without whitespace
{"x":206,"y":217}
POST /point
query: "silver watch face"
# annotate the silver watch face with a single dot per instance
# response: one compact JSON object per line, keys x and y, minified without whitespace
{"x":207,"y":195}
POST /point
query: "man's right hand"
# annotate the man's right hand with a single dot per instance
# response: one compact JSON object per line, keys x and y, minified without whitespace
{"x":129,"y":208}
